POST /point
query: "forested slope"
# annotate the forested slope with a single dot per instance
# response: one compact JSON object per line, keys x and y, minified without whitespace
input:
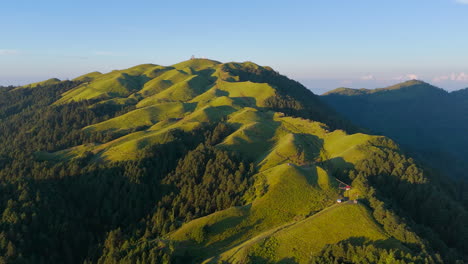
{"x":209,"y":162}
{"x":429,"y":122}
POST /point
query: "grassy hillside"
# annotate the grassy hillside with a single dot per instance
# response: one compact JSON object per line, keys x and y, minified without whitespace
{"x":289,"y":190}
{"x":298,"y":241}
{"x":294,"y":156}
{"x":293,"y":193}
{"x":211,"y":162}
{"x":143,"y":117}
{"x":187,"y":95}
{"x":88,"y":77}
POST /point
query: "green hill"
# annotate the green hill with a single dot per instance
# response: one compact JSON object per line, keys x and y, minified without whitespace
{"x":210,"y":162}
{"x":301,"y":239}
{"x":43,"y":83}
{"x":184,"y":96}
{"x":88,"y":77}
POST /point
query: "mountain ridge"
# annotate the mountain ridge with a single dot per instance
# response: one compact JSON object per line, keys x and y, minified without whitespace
{"x":209,"y":162}
{"x":408,"y":86}
{"x":424,"y":118}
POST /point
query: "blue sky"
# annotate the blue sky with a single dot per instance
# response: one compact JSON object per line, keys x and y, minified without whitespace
{"x":322,"y":43}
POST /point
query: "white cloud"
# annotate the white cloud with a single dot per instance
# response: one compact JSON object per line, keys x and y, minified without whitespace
{"x":367,"y":77}
{"x":412,"y":76}
{"x":465,"y":2}
{"x":406,"y":77}
{"x":457,"y":77}
{"x":8,"y":52}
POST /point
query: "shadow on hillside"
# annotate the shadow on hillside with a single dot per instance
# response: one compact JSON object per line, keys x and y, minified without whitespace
{"x":207,"y":73}
{"x":220,"y":226}
{"x":245,"y":101}
{"x":309,"y":146}
{"x":262,"y":260}
{"x":190,"y":107}
{"x":266,"y":117}
{"x":338,"y":168}
{"x":216,"y":113}
{"x":255,"y":139}
{"x":221,"y":245}
{"x":93,"y":200}
{"x":220,"y":93}
{"x":387,"y":244}
{"x":288,"y":261}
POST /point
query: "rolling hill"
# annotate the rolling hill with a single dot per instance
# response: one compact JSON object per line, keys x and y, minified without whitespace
{"x":209,"y":162}
{"x":184,"y":96}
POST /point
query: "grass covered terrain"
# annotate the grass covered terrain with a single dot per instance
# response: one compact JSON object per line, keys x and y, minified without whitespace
{"x":184,"y":96}
{"x":299,"y":240}
{"x":176,"y":142}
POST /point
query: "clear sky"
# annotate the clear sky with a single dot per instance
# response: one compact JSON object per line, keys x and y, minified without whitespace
{"x":322,"y":43}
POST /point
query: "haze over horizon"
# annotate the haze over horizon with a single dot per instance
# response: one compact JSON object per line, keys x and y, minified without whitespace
{"x":324,"y":45}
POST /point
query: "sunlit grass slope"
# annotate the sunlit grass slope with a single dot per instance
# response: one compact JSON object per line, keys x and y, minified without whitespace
{"x":347,"y":147}
{"x":292,"y":193}
{"x":291,"y":190}
{"x":197,"y":64}
{"x":65,"y":155}
{"x":247,"y":91}
{"x":43,"y":83}
{"x":141,"y":117}
{"x":291,"y":205}
{"x":88,"y":77}
{"x":117,"y":84}
{"x":300,"y":240}
{"x":184,"y":90}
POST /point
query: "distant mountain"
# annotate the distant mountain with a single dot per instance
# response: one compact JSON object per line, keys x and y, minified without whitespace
{"x":210,"y":162}
{"x":429,"y":121}
{"x":404,"y":90}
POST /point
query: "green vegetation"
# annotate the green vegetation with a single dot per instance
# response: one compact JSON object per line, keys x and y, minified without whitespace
{"x":88,"y":77}
{"x":427,"y":121}
{"x":205,"y":162}
{"x":300,"y":240}
{"x":143,"y":117}
{"x":51,"y":81}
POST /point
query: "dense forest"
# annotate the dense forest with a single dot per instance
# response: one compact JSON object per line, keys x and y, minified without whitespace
{"x":84,"y":210}
{"x":7,"y":88}
{"x":429,"y":122}
{"x":66,"y":209}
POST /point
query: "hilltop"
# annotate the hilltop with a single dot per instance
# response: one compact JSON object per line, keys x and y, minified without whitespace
{"x":209,"y":162}
{"x":184,"y":96}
